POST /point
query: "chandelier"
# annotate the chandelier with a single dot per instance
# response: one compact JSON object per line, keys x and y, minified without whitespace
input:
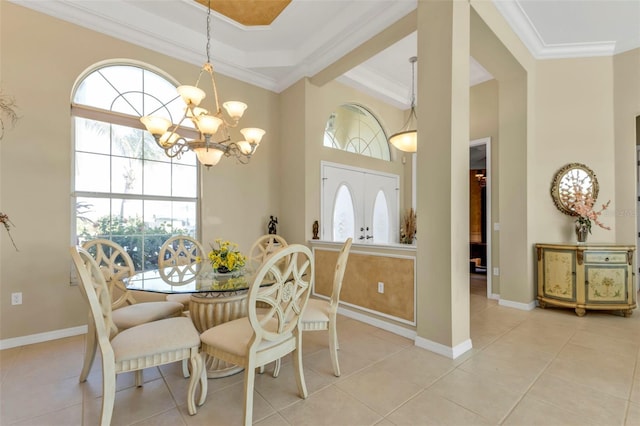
{"x":214,"y":139}
{"x":407,"y":138}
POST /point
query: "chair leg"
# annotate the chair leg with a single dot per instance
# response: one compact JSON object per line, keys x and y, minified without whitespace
{"x":91,"y":345}
{"x":333,"y":348}
{"x":297,"y":365}
{"x":108,"y":396}
{"x":185,"y":368}
{"x":249,"y":379}
{"x":197,"y":367}
{"x":204,"y":384}
{"x":276,"y":368}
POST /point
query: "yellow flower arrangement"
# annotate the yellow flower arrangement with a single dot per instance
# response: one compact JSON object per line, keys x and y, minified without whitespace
{"x":226,"y":258}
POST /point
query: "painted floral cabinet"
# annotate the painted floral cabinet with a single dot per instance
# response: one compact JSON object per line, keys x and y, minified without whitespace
{"x":587,"y":276}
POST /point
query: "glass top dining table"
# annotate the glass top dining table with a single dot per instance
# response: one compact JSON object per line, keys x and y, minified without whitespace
{"x":187,"y":279}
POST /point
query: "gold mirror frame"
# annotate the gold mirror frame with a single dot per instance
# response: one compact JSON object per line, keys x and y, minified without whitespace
{"x":566,"y":179}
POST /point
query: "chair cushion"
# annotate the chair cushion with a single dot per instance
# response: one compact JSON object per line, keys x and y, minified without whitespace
{"x":141,"y":313}
{"x":233,"y":336}
{"x":183,"y":298}
{"x":317,"y":310}
{"x":155,"y":338}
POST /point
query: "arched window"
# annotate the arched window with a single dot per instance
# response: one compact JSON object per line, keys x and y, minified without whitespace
{"x":124,"y":187}
{"x":354,"y":129}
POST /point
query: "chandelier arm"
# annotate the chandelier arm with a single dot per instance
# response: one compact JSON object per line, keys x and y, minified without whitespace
{"x":234,"y":150}
{"x":208,"y":67}
{"x":176,"y":149}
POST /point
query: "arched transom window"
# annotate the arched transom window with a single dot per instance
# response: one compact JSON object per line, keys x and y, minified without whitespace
{"x":354,"y":129}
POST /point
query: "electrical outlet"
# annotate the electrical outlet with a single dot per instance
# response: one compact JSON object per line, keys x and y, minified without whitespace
{"x":380,"y":287}
{"x":496,"y":271}
{"x":16,"y":298}
{"x":496,"y":226}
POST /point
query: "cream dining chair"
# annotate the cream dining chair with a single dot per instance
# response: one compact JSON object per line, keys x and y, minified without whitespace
{"x":263,"y":247}
{"x":271,"y":333}
{"x":116,"y":265}
{"x":143,"y":346}
{"x":320,"y":314}
{"x":179,"y":256}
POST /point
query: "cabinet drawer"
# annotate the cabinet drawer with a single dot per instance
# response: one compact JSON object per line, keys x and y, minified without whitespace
{"x":605,"y":257}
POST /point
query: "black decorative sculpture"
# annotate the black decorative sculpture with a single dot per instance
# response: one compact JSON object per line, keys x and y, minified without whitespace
{"x":315,"y":230}
{"x":272,"y":225}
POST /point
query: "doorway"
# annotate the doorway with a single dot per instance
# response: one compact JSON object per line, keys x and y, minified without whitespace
{"x":480,"y":217}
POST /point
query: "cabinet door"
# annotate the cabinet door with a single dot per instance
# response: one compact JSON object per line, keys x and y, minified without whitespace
{"x":559,"y":274}
{"x":606,"y":283}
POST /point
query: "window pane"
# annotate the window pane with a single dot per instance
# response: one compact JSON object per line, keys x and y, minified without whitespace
{"x":343,"y":215}
{"x":126,"y":176}
{"x":92,"y":172}
{"x":126,"y":141}
{"x":89,"y":212}
{"x":92,"y":136}
{"x":95,"y":91}
{"x":183,"y":174}
{"x":380,"y":219}
{"x":158,"y":181}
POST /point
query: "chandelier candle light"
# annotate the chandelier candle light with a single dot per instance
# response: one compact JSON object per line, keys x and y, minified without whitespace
{"x":214,"y":140}
{"x":407,"y":138}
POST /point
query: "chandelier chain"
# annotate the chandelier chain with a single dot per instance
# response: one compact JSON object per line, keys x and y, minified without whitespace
{"x":208,"y":31}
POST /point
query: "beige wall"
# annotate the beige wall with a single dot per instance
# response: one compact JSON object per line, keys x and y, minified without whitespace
{"x":574,"y":123}
{"x":41,"y":59}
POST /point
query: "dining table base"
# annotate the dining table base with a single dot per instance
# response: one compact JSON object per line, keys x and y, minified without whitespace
{"x":210,"y":309}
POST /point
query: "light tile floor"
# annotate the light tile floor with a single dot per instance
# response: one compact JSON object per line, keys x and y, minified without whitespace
{"x":543,"y":367}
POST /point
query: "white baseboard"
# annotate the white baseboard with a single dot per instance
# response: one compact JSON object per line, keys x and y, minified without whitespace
{"x":449,"y":352}
{"x":401,"y":331}
{"x":518,"y":305}
{"x":42,"y":337}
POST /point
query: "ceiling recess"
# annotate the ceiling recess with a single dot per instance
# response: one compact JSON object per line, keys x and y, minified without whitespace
{"x":249,"y":12}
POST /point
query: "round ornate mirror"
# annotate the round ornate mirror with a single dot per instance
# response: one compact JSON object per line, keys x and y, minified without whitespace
{"x":570,"y":180}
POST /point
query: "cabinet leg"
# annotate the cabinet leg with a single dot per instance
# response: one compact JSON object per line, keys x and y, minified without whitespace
{"x":627,"y":313}
{"x":542,"y":304}
{"x":580,"y":312}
